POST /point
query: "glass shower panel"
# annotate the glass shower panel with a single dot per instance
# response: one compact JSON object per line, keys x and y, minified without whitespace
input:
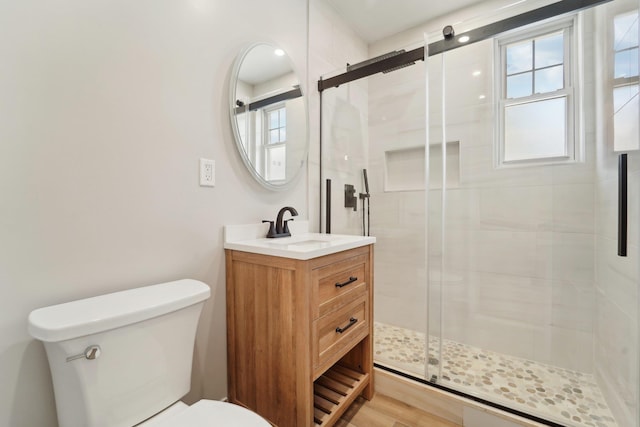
{"x":344,"y":153}
{"x":437,"y":184}
{"x":616,"y":277}
{"x":378,"y":124}
{"x":537,"y":311}
{"x":397,"y":161}
{"x":465,"y":139}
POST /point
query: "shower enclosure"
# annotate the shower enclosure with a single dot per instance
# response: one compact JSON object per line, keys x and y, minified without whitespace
{"x":504,"y":191}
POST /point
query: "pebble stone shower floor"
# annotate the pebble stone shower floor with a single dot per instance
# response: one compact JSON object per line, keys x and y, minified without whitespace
{"x":560,"y":395}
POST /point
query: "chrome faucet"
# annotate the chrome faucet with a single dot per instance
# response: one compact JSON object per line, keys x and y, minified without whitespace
{"x":281,"y":228}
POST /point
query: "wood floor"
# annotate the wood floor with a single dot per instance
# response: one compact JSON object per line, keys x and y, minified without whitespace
{"x":383,"y":411}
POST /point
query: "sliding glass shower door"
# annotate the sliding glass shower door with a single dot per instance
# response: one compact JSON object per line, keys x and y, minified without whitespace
{"x":530,"y":305}
{"x":377,"y":124}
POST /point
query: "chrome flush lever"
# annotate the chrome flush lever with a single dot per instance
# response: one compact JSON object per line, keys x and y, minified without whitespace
{"x":90,"y":353}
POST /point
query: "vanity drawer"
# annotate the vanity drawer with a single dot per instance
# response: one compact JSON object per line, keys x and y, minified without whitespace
{"x":339,"y":283}
{"x":336,"y":333}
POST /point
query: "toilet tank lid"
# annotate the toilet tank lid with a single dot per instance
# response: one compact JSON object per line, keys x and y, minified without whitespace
{"x":102,"y":313}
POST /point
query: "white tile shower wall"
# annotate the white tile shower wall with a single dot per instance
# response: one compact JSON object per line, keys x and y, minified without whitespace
{"x":333,"y":44}
{"x":617,"y":304}
{"x":519,"y":245}
{"x":344,"y":151}
{"x":396,"y":120}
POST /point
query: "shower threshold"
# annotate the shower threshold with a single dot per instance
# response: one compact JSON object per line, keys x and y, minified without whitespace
{"x":547,"y":392}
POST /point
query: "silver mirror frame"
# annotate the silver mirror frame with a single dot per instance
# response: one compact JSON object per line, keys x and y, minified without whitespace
{"x":233,"y":84}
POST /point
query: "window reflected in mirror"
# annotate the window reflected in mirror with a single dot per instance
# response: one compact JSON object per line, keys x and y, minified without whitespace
{"x":269,"y":115}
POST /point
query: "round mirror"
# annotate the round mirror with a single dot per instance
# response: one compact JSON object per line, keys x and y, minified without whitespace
{"x":269,"y":115}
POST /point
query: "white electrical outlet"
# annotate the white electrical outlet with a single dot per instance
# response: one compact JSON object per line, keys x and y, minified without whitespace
{"x":207,"y":173}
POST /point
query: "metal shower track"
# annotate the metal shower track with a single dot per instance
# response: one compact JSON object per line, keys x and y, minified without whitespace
{"x":394,"y":60}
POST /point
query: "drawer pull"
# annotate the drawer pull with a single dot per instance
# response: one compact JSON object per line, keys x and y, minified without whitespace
{"x":348,"y":282}
{"x":352,"y":322}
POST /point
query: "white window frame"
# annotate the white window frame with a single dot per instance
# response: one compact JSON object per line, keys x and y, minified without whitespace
{"x":571,"y":92}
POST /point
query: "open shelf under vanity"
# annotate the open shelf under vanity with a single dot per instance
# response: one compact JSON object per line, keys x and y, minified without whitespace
{"x":334,"y":391}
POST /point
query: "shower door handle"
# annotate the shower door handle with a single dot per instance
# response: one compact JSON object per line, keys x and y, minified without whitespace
{"x":622,"y":205}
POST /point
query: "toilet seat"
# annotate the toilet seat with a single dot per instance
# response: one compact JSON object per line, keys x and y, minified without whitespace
{"x":210,"y":413}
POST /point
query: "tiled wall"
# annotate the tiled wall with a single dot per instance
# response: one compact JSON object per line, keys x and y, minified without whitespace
{"x":344,"y":140}
{"x":519,"y":242}
{"x":396,"y":120}
{"x":332,"y":45}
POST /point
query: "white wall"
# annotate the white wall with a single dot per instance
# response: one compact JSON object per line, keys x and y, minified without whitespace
{"x":105,"y":109}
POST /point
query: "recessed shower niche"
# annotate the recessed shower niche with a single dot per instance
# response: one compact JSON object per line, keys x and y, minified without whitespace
{"x":404,"y":168}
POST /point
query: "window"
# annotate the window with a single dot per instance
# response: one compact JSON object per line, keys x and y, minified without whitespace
{"x":625,"y":81}
{"x":277,"y":122}
{"x":275,"y":143}
{"x":536,"y":93}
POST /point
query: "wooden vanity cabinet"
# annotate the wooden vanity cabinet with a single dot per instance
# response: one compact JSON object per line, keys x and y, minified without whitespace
{"x":300,"y":334}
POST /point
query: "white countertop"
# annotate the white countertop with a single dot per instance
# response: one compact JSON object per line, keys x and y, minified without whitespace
{"x":300,"y":245}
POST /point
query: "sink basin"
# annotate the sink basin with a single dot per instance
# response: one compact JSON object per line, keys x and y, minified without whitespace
{"x":302,"y":245}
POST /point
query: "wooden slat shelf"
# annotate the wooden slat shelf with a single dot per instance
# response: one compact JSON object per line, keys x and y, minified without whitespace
{"x":334,"y":391}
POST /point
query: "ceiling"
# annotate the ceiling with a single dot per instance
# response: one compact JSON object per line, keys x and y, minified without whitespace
{"x":376,"y":19}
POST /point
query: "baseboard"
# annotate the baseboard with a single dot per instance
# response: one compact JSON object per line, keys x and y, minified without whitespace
{"x":451,"y":407}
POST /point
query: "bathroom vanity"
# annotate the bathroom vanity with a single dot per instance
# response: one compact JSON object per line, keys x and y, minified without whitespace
{"x":299,"y":325}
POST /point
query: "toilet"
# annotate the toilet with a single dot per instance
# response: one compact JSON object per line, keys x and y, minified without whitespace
{"x":124,"y":359}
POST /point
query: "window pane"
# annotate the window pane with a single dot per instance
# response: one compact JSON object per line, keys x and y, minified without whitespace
{"x":625,"y":120}
{"x":283,"y":134}
{"x":274,"y":136}
{"x":276,"y":163}
{"x":273,"y":120}
{"x":519,"y":85}
{"x":549,"y":50}
{"x":549,"y":79}
{"x":525,"y":137}
{"x":622,"y":95}
{"x":626,"y":31}
{"x":626,"y":63}
{"x":519,"y":57}
{"x":283,"y":117}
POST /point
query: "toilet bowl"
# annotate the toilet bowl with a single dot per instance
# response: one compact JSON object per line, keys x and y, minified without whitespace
{"x":124,"y":359}
{"x":207,"y":413}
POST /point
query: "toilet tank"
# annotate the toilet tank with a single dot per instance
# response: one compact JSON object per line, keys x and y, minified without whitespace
{"x":142,"y":340}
